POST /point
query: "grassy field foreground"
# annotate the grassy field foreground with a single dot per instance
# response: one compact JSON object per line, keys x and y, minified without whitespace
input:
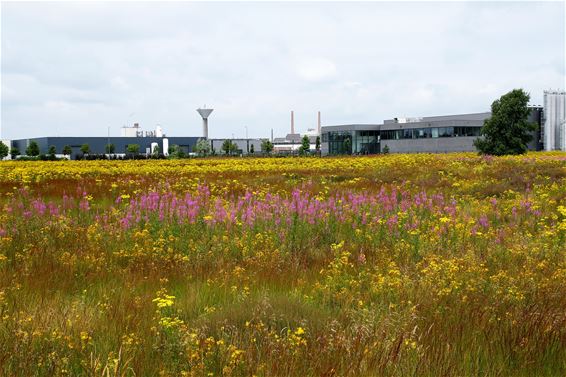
{"x":398,"y":265}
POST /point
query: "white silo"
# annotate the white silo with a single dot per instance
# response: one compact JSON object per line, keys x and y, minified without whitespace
{"x":554,"y":120}
{"x":165,"y":147}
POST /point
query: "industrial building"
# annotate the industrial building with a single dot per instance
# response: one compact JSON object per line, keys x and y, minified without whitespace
{"x":98,"y":145}
{"x":244,"y":146}
{"x":291,"y":143}
{"x":437,"y":134}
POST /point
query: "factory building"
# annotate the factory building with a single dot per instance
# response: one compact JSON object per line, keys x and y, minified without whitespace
{"x":98,"y":145}
{"x":244,"y":146}
{"x":437,"y":134}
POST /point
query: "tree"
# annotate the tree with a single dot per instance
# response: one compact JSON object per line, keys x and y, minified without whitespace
{"x":233,"y":147}
{"x":252,"y":149}
{"x":176,"y":152}
{"x":110,"y":148}
{"x":348,"y":145}
{"x":52,"y":150}
{"x":14,"y":152}
{"x":67,"y":150}
{"x":266,"y":146}
{"x":32,"y":149}
{"x":305,"y":146}
{"x":202,"y":147}
{"x":386,"y":149}
{"x":229,"y":147}
{"x":133,"y":149}
{"x":507,"y":131}
{"x":155,"y":151}
{"x":85,"y":149}
{"x":4,"y":150}
{"x":317,"y":145}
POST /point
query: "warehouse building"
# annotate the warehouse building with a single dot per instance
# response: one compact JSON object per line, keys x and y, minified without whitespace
{"x":97,"y":145}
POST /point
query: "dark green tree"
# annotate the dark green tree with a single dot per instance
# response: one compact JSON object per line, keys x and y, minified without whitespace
{"x":386,"y":149}
{"x":305,"y":146}
{"x":4,"y":150}
{"x":229,"y":147}
{"x":14,"y":152}
{"x":85,"y":149}
{"x":252,"y":149}
{"x":176,"y":151}
{"x":155,"y":151}
{"x":507,"y":131}
{"x":317,"y":144}
{"x":110,"y":148}
{"x":67,"y":150}
{"x":347,"y":145}
{"x":233,"y":147}
{"x":52,"y":151}
{"x":266,"y":146}
{"x":133,"y":149}
{"x":32,"y":149}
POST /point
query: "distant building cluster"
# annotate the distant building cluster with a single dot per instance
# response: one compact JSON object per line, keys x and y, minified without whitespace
{"x":440,"y":134}
{"x":436,"y":134}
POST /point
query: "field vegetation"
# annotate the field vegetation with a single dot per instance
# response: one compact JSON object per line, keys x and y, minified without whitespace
{"x":397,"y":265}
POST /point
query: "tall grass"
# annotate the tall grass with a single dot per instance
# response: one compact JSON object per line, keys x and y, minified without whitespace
{"x":393,"y":266}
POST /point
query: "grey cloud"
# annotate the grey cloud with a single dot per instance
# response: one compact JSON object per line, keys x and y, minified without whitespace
{"x":94,"y":63}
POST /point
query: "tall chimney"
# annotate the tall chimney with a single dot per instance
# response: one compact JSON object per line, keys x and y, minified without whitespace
{"x":318,"y":123}
{"x":292,"y":122}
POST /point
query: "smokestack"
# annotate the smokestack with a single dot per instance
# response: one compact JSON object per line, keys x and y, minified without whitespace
{"x":272,"y":135}
{"x":292,"y":122}
{"x":318,"y":123}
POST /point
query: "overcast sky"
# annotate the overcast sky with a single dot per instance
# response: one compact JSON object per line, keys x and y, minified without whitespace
{"x":75,"y":69}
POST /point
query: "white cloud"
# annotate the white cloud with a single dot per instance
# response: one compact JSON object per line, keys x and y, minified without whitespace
{"x":316,"y":69}
{"x":94,"y":63}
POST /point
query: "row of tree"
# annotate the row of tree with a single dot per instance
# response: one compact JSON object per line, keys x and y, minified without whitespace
{"x":203,"y":148}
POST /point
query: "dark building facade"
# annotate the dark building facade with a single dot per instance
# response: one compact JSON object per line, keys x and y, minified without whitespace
{"x":98,"y":145}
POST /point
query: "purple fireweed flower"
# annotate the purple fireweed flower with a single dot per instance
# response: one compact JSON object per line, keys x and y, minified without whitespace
{"x":483,"y":221}
{"x":84,"y":205}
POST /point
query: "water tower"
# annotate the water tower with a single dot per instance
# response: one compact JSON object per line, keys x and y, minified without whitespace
{"x":204,"y":113}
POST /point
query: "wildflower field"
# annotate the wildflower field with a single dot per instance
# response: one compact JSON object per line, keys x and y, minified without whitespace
{"x":397,"y":265}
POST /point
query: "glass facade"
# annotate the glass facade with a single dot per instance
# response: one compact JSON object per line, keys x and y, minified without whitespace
{"x":366,"y":142}
{"x":352,"y":142}
{"x":340,"y":142}
{"x":424,"y":133}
